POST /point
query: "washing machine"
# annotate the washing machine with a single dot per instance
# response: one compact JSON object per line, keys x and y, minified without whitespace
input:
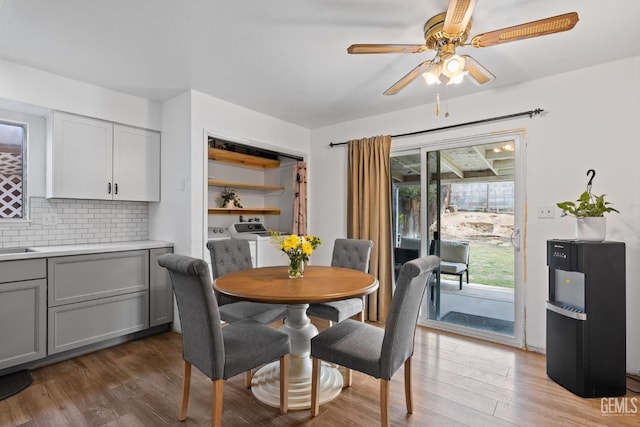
{"x":264,"y":252}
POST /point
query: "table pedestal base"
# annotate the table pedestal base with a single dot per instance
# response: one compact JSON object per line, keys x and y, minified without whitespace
{"x":265,"y":385}
{"x":266,"y":380}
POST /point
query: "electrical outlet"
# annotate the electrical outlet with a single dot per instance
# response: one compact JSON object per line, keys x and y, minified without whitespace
{"x":545,"y":211}
{"x":49,"y":219}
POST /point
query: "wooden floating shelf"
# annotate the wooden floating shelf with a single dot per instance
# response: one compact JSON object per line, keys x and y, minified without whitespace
{"x":242,"y":159}
{"x":248,"y":211}
{"x":219,"y":183}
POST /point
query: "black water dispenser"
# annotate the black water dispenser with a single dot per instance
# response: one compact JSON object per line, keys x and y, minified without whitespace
{"x":586,"y":320}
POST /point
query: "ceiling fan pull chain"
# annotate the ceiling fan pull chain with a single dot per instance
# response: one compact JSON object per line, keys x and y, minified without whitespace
{"x":446,"y":102}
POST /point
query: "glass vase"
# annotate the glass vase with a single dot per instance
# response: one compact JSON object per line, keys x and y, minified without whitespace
{"x":296,"y":268}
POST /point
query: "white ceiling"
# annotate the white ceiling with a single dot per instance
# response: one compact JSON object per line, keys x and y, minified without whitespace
{"x":288,"y":58}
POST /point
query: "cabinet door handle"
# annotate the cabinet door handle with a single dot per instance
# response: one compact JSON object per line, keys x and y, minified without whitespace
{"x":109,"y":188}
{"x":116,"y":188}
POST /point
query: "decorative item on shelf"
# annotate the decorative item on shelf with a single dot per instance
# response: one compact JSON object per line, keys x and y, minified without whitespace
{"x":230,"y":199}
{"x":589,"y":212}
{"x":297,"y":248}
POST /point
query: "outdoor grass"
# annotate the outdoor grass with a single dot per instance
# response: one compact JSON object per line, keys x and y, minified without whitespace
{"x":491,"y":263}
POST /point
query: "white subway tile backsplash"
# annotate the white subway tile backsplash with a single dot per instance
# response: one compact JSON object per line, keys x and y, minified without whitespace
{"x":78,"y":222}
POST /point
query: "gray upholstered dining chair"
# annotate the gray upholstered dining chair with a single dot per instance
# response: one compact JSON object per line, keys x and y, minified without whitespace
{"x":375,"y":351}
{"x":347,"y":253}
{"x":234,"y":255}
{"x":219,"y":352}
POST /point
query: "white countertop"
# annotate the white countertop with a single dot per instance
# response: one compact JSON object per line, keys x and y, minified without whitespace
{"x":62,"y":250}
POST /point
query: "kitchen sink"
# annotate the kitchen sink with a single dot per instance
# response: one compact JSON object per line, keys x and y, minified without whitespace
{"x":5,"y":251}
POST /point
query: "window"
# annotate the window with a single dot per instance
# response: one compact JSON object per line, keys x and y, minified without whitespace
{"x":12,"y":171}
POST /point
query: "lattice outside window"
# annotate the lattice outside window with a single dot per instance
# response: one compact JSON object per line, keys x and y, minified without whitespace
{"x":12,"y":171}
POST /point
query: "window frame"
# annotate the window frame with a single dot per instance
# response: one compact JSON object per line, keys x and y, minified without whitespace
{"x":25,"y":154}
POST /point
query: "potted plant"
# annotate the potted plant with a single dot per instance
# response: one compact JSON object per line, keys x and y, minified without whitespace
{"x":230,"y":198}
{"x":589,"y":212}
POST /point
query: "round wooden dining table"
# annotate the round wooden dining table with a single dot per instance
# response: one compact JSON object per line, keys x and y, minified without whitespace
{"x":272,"y":285}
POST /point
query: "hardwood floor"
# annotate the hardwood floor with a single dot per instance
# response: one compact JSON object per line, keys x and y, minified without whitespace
{"x":457,"y":381}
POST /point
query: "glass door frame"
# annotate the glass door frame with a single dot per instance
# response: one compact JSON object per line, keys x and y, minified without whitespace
{"x":519,"y":234}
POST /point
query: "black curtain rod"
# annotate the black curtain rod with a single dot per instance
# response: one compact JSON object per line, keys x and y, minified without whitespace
{"x":529,"y":113}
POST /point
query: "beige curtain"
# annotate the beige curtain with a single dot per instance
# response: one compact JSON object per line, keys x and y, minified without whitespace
{"x":300,"y":198}
{"x":369,"y":213}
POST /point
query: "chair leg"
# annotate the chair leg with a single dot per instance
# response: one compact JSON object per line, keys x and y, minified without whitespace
{"x":467,"y":272}
{"x":247,"y":379}
{"x":186,"y":384}
{"x":407,"y":385}
{"x":385,"y":404}
{"x":284,"y":384}
{"x":315,"y":385}
{"x":218,"y":393}
{"x":348,"y":377}
{"x":460,"y":281}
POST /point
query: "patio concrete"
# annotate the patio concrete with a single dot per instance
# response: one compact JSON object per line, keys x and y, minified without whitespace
{"x":481,"y":300}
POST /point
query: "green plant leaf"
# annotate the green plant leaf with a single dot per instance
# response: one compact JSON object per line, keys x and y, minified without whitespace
{"x":587,"y":205}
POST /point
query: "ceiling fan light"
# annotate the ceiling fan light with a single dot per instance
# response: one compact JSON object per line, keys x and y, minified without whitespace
{"x":457,"y":78}
{"x":453,"y":65}
{"x":432,"y":77}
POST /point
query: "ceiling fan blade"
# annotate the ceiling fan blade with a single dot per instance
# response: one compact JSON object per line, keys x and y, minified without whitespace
{"x":458,"y":16}
{"x":542,"y":27}
{"x":408,"y":78}
{"x":386,"y":48}
{"x":476,"y":72}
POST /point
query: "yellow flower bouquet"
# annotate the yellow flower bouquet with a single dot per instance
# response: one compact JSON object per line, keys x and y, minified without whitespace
{"x":297,"y":248}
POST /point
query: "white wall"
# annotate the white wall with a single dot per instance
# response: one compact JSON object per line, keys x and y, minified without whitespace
{"x":235,"y":123}
{"x":28,"y":96}
{"x":590,"y":122}
{"x":170,"y":219}
{"x":34,"y":87}
{"x":181,"y":214}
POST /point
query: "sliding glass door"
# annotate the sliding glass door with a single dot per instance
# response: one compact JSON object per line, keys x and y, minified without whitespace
{"x":461,"y":201}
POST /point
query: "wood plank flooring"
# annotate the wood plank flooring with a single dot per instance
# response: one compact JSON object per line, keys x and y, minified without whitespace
{"x":457,"y":381}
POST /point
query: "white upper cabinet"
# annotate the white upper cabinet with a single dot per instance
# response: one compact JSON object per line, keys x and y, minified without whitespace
{"x":136,"y":164}
{"x":79,"y":163}
{"x":95,"y":159}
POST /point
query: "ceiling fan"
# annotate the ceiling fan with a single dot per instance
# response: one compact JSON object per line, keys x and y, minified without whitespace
{"x":447,"y":31}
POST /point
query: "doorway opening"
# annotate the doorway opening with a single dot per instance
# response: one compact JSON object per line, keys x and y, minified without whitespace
{"x":460,"y":201}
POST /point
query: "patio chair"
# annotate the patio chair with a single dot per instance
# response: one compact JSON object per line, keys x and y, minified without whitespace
{"x":454,"y":256}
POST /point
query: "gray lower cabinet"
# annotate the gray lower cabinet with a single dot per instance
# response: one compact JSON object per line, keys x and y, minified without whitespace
{"x":23,"y":307}
{"x":160,"y":290}
{"x":89,"y":322}
{"x":52,"y":305}
{"x":77,"y":278}
{"x":96,"y":297}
